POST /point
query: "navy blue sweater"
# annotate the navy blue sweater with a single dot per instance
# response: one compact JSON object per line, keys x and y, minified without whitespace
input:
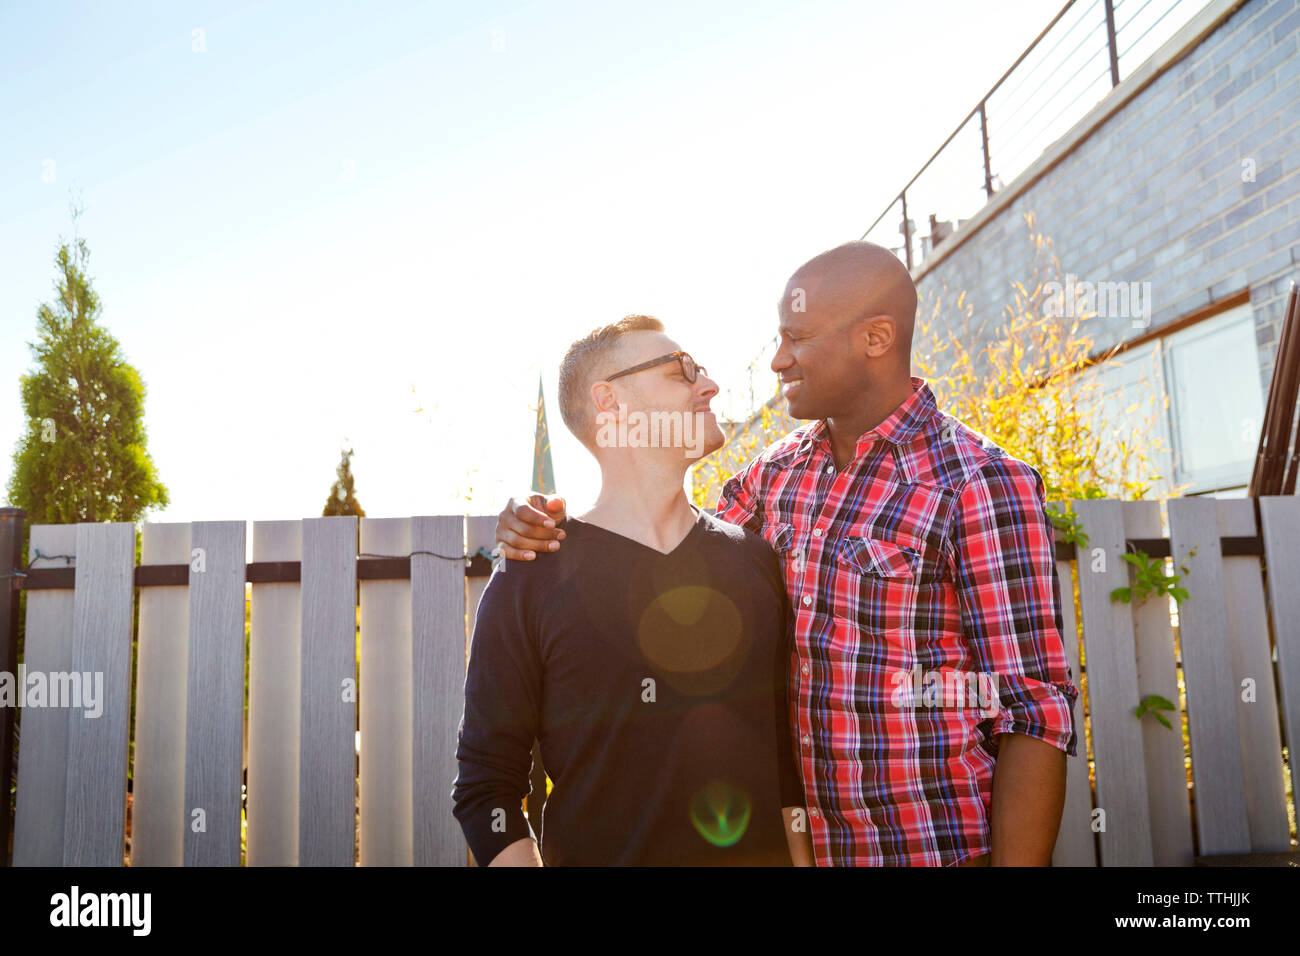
{"x":656,"y":685}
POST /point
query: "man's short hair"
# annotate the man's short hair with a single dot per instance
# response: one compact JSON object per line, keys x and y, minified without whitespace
{"x":584,"y":364}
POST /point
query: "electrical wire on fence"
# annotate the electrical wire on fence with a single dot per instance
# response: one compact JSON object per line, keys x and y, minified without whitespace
{"x":481,"y":552}
{"x":38,"y":557}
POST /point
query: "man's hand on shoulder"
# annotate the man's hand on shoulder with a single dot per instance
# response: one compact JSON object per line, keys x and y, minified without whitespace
{"x":528,"y":526}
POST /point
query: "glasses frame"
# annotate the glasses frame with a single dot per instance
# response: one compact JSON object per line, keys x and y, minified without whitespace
{"x":682,"y":359}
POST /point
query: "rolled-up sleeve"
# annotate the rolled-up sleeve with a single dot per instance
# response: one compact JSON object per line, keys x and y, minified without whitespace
{"x":1005,"y":572}
{"x":499,"y":724}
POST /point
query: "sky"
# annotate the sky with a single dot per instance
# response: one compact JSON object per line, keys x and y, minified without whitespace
{"x":374,"y":226}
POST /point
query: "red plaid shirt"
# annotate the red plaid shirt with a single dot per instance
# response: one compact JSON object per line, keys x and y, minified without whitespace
{"x":927,"y":621}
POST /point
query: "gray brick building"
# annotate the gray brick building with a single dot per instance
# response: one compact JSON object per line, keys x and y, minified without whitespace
{"x":1185,"y":176}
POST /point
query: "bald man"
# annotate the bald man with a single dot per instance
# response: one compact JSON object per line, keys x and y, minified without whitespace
{"x":932,"y":704}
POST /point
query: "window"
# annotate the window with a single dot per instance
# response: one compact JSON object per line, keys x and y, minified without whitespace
{"x":1130,"y":396}
{"x":1216,"y":400}
{"x":1211,"y":427}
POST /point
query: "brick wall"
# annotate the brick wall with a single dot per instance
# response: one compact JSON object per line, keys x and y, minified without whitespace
{"x":1159,"y":191}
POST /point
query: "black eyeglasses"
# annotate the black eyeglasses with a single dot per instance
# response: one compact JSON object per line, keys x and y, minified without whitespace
{"x":690,"y":371}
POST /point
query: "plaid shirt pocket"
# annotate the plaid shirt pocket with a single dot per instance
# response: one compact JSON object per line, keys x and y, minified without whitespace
{"x":880,"y":559}
{"x":780,"y":536}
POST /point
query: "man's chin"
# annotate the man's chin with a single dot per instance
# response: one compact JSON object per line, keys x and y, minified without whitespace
{"x":711,"y":439}
{"x":799,"y":408}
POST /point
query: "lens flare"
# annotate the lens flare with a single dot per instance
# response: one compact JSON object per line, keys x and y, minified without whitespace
{"x":720,"y":813}
{"x":694,"y":637}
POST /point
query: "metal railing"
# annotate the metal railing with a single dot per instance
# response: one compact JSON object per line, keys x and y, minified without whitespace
{"x":1088,"y":44}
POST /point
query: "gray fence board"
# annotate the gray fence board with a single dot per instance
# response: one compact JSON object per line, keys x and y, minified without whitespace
{"x":214,"y":703}
{"x":1252,"y":658}
{"x":95,"y":831}
{"x":385,"y":702}
{"x":158,"y":774}
{"x":1280,"y":519}
{"x":438,"y":659}
{"x":1109,"y":645}
{"x":43,"y":756}
{"x":1221,"y":821}
{"x":274,"y":701}
{"x":327,"y":788}
{"x":1157,"y":673}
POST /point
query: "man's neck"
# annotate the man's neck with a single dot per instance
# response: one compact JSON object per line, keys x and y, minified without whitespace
{"x":875,"y":407}
{"x":646,"y":504}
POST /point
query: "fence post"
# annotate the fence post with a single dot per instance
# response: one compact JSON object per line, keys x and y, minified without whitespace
{"x":11,"y":544}
{"x":1111,"y":42}
{"x":907,"y":231}
{"x":984,"y":138}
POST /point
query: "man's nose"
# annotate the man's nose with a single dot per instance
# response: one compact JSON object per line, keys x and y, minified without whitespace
{"x":706,"y":386}
{"x":782,"y":359}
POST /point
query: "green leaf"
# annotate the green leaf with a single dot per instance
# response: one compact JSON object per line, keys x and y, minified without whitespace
{"x":1152,"y":704}
{"x":1121,"y":595}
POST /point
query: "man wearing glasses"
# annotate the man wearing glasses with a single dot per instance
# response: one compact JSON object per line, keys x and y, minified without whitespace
{"x":649,"y":659}
{"x":916,"y":553}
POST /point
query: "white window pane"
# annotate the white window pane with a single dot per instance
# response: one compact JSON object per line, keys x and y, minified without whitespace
{"x":1217,"y":401}
{"x":1130,"y":396}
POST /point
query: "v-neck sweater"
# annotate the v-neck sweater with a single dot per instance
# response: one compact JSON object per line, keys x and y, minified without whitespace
{"x":656,"y":685}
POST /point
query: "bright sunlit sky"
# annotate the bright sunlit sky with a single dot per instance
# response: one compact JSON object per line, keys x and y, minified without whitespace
{"x":332,"y":215}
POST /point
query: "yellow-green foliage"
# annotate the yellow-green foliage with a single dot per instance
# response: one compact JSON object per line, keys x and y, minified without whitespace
{"x":1023,"y":391}
{"x":744,"y":441}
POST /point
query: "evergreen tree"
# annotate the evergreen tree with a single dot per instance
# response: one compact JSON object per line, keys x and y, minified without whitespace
{"x":341,"y":500}
{"x":83,"y":456}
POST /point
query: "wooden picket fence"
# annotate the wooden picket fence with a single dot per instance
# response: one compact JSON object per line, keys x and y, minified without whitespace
{"x":1231,"y":679}
{"x":297,"y":740}
{"x":299,"y":743}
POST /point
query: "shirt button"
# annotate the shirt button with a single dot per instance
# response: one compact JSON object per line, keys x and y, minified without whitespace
{"x":817,"y":532}
{"x":830,"y":469}
{"x":813,"y":812}
{"x":807,"y":741}
{"x":807,"y":600}
{"x":804,"y":669}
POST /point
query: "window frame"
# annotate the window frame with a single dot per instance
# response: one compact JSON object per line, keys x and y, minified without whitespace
{"x":1206,"y":481}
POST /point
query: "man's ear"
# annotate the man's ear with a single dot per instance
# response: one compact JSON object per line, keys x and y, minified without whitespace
{"x":875,"y":335}
{"x":606,"y":399}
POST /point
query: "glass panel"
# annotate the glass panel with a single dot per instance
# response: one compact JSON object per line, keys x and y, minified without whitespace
{"x":1218,"y":405}
{"x":1131,"y":386}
